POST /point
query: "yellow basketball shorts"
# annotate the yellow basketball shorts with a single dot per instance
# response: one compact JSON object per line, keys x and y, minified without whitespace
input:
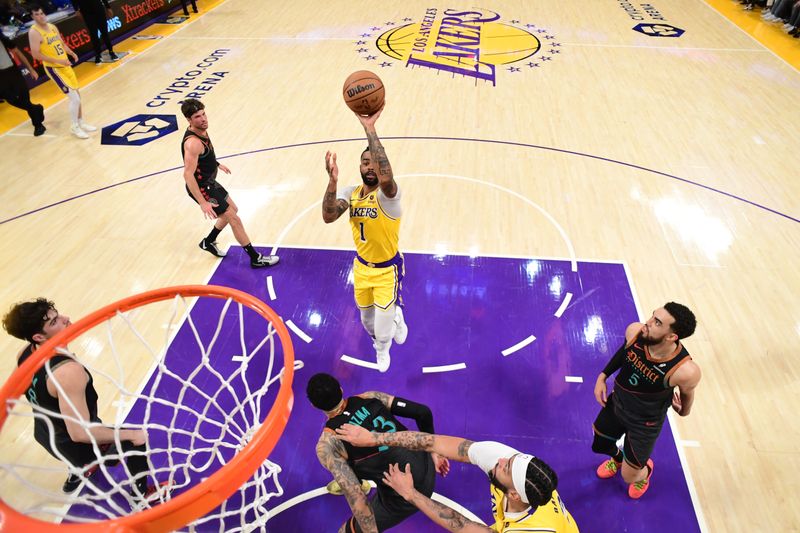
{"x":64,"y":77}
{"x":379,"y":286}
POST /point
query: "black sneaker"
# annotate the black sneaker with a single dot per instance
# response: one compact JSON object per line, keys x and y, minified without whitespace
{"x":113,"y":56}
{"x":98,"y":60}
{"x":264,"y":261}
{"x":39,"y":130}
{"x":211,"y":247}
{"x":73,"y":482}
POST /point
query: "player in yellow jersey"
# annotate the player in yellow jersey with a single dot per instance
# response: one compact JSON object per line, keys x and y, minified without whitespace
{"x":375,"y":213}
{"x":523,"y":487}
{"x":48,"y":47}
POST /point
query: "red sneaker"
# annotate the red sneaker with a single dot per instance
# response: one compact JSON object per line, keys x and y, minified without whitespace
{"x":608,"y":469}
{"x":637,"y":490}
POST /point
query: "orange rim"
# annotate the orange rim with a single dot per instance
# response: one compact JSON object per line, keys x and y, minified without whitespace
{"x":202,"y":498}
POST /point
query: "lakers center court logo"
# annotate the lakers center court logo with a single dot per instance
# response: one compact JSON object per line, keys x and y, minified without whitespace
{"x":475,"y":44}
{"x":139,"y":129}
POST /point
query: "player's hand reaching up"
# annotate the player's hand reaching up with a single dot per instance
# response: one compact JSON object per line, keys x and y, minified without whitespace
{"x":401,"y":481}
{"x":369,"y":121}
{"x":331,"y":168}
{"x":355,"y":435}
{"x":441,"y":464}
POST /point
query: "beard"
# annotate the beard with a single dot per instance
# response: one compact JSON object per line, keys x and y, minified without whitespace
{"x":650,"y":341}
{"x":369,"y":179}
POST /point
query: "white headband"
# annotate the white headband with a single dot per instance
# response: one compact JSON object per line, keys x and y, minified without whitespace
{"x":519,"y":469}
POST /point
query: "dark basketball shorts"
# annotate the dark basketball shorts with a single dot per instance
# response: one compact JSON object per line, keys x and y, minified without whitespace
{"x":640,"y":433}
{"x":215,"y":194}
{"x":389,"y":507}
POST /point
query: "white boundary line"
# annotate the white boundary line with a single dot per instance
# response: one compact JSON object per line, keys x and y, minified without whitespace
{"x":443,"y":368}
{"x":563,"y":306}
{"x":573,"y":379}
{"x":271,"y":289}
{"x":759,"y":43}
{"x":670,"y":48}
{"x":301,"y":246}
{"x":520,"y":345}
{"x":299,"y":332}
{"x":358,"y":362}
{"x":698,"y":511}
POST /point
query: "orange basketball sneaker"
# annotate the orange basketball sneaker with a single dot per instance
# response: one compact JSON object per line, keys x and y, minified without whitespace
{"x":637,"y":490}
{"x":608,"y":469}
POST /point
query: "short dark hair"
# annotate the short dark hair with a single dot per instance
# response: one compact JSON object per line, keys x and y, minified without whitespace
{"x":324,"y":391}
{"x":190,"y":106}
{"x":365,"y":150}
{"x":685,"y":322}
{"x":26,"y":319}
{"x":35,"y":7}
{"x":540,"y":482}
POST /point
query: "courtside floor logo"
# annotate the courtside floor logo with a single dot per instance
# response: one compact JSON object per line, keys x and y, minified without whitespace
{"x":139,"y":129}
{"x":476,"y":44}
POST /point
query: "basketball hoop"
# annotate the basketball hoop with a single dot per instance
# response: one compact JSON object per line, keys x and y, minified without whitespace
{"x":234,"y":409}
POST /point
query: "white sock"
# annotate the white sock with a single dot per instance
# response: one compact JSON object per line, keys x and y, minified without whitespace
{"x":384,"y":329}
{"x":74,"y":105}
{"x":368,"y":320}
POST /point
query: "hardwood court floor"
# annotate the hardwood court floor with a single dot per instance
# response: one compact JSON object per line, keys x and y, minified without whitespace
{"x":675,"y":155}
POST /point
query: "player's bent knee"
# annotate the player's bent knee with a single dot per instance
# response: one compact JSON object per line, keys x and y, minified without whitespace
{"x":603,"y":445}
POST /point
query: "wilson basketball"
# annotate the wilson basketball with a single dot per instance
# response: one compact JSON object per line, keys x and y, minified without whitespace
{"x":363,"y":92}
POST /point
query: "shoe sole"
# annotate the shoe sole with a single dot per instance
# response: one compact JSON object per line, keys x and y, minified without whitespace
{"x":263,"y":265}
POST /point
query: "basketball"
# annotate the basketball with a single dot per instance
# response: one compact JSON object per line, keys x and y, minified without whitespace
{"x":363,"y":92}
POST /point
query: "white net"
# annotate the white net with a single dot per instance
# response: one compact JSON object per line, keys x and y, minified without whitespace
{"x":198,"y":375}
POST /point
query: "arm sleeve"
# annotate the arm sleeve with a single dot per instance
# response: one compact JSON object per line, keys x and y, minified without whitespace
{"x":391,"y":205}
{"x":346,"y":193}
{"x":615,"y":363}
{"x":419,"y":412}
{"x":485,"y":454}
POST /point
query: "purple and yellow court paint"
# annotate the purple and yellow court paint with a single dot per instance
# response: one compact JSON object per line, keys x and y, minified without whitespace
{"x":496,"y":348}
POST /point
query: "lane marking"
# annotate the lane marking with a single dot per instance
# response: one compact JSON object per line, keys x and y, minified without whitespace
{"x":271,"y":289}
{"x":299,"y":332}
{"x":359,"y":362}
{"x":520,"y":345}
{"x":573,"y":379}
{"x":443,"y":368}
{"x":563,"y":305}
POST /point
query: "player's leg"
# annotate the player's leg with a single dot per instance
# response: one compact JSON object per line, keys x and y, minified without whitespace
{"x":90,"y":19}
{"x":230,"y":216}
{"x":368,"y":320}
{"x":103,"y":27}
{"x":638,"y":466}
{"x":608,"y":429}
{"x":209,"y":243}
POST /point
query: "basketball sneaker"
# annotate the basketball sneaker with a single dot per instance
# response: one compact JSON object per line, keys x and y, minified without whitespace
{"x":211,"y":247}
{"x":78,"y":132}
{"x":608,"y":469}
{"x":334,"y":488}
{"x":86,"y":127}
{"x":384,"y":360}
{"x":74,"y":481}
{"x":401,"y":331}
{"x":637,"y":490}
{"x":264,"y":261}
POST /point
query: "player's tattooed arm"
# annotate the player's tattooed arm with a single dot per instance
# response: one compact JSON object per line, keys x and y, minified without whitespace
{"x":386,"y":399}
{"x":332,"y":455}
{"x":403,"y":483}
{"x":454,"y":448}
{"x":385,"y":175}
{"x":333,"y":208}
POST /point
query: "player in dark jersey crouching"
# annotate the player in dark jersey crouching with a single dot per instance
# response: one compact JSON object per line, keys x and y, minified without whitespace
{"x":652,"y":362}
{"x":348,"y":464}
{"x":66,"y":412}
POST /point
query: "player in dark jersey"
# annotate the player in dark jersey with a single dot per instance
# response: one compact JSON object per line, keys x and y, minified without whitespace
{"x":36,"y":322}
{"x":200,"y":173}
{"x":348,"y":464}
{"x":652,"y":362}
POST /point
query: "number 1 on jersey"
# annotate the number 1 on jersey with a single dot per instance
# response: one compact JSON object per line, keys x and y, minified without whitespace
{"x":361,"y":229}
